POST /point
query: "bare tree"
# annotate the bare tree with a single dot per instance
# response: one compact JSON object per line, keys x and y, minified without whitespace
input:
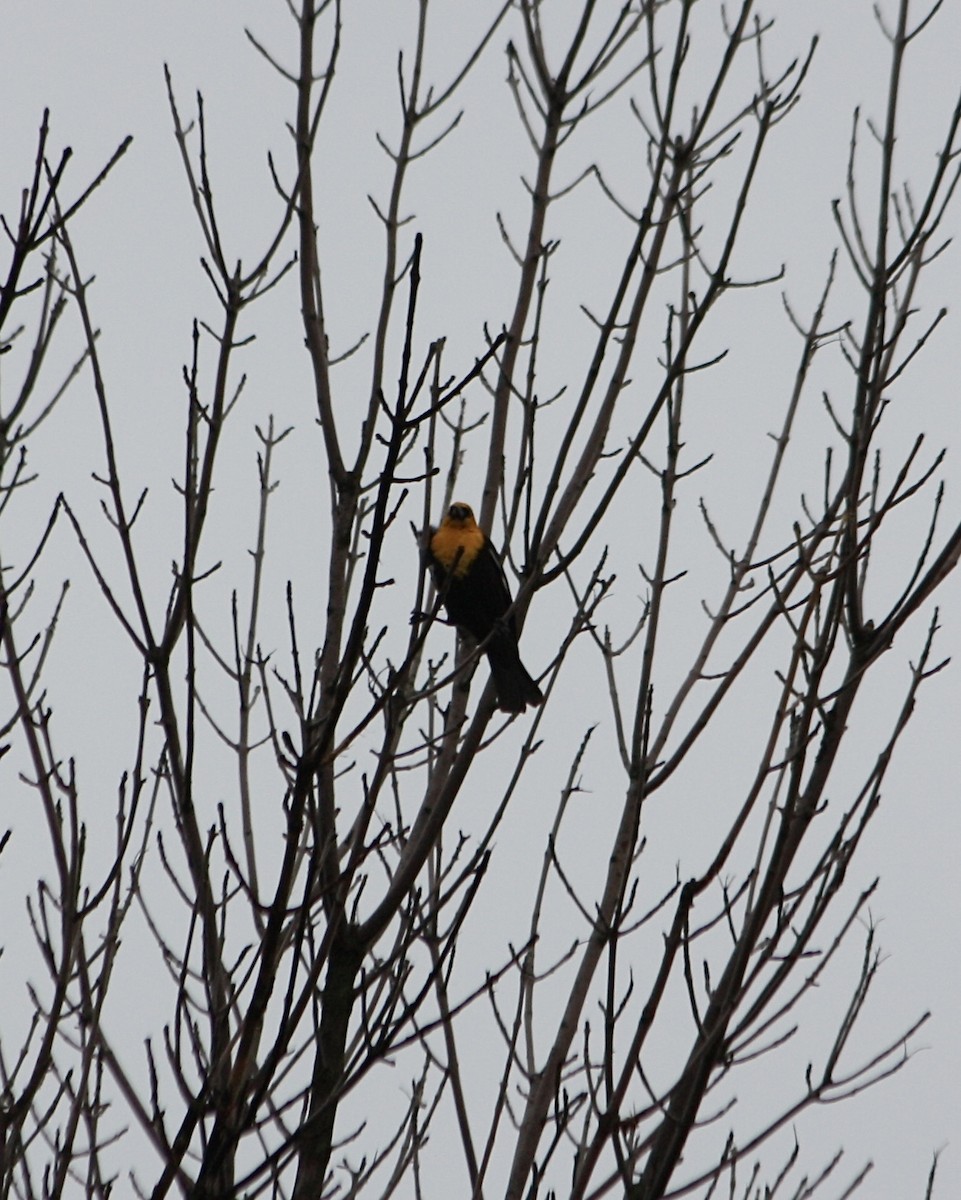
{"x":286,"y":864}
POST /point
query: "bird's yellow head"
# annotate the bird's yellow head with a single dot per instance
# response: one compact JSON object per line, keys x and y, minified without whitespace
{"x":458,"y":541}
{"x":460,"y":516}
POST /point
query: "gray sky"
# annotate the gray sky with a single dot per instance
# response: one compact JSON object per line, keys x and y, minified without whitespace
{"x":99,"y":68}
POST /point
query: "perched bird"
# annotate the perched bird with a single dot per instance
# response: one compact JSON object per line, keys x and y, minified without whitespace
{"x":468,"y":573}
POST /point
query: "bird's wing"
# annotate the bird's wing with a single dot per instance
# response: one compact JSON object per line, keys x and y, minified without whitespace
{"x":490,"y":567}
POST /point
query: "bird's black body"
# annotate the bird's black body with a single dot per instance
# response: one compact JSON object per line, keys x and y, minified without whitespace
{"x":470,"y":577}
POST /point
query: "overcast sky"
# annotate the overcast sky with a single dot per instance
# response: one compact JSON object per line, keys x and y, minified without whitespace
{"x":98,"y":66}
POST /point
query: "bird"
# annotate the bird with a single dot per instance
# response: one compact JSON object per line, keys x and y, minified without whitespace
{"x":470,"y":578}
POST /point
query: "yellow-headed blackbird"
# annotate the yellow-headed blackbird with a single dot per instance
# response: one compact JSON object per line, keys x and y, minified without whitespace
{"x":468,"y":573}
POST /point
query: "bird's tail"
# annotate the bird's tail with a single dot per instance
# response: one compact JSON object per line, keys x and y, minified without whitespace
{"x":515,"y":687}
